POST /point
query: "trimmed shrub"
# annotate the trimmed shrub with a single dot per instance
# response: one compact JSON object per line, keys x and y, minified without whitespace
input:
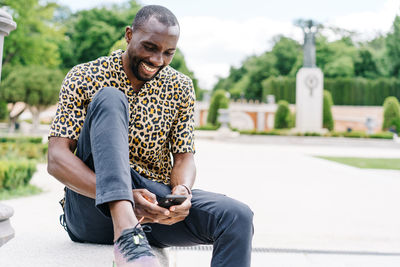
{"x":23,"y":150}
{"x":391,"y":114}
{"x":345,"y":91}
{"x":282,"y":116}
{"x":22,"y":139}
{"x":3,"y":110}
{"x":14,"y":174}
{"x":328,"y":122}
{"x":218,"y":100}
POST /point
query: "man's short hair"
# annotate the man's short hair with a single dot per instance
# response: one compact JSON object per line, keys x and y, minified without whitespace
{"x":162,"y":14}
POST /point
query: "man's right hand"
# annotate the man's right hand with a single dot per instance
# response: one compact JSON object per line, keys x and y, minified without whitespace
{"x":146,"y":206}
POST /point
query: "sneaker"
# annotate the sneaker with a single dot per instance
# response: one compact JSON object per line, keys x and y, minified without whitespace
{"x":133,"y":250}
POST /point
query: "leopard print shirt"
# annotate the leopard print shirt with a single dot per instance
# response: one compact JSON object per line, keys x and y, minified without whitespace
{"x":161,"y":113}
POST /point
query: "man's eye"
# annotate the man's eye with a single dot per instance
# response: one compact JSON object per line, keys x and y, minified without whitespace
{"x":169,"y":54}
{"x":149,"y":48}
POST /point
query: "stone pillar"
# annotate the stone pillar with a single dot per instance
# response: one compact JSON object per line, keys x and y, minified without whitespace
{"x":260,"y":121}
{"x":6,"y":231}
{"x":6,"y":26}
{"x":309,"y":100}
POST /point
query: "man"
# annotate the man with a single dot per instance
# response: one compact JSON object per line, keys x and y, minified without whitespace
{"x":125,"y":115}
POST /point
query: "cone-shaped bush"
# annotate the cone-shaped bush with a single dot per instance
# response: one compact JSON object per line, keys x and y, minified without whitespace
{"x":391,"y":113}
{"x":282,"y":115}
{"x":328,"y":122}
{"x":218,"y":100}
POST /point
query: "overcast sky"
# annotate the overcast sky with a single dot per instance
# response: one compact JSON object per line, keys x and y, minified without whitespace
{"x":216,"y":34}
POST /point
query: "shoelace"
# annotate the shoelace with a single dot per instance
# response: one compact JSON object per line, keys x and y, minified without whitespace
{"x":139,"y":247}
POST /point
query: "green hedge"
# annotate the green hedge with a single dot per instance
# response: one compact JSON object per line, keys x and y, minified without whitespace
{"x":352,"y":134}
{"x":21,"y":139}
{"x":23,"y":150}
{"x":14,"y":174}
{"x":345,"y":91}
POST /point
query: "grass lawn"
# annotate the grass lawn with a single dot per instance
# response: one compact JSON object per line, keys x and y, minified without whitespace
{"x":368,"y":163}
{"x":22,"y":191}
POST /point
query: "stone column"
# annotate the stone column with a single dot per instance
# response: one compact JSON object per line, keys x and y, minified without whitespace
{"x":6,"y":231}
{"x":309,"y":94}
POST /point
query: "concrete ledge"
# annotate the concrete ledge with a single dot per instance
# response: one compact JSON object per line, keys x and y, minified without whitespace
{"x":6,"y":231}
{"x":162,"y":255}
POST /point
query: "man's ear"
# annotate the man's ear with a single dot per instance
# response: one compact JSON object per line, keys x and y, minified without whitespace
{"x":128,"y":34}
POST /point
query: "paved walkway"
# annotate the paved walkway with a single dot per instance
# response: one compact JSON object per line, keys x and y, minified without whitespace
{"x":300,"y":202}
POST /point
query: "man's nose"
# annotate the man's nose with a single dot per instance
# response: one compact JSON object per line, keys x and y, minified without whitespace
{"x":156,"y":59}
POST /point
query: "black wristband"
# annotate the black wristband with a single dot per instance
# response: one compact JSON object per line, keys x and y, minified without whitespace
{"x":187,"y":188}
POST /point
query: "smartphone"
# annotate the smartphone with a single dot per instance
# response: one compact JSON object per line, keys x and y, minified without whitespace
{"x":171,"y":200}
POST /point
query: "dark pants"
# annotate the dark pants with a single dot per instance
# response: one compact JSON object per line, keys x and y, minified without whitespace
{"x":103,"y":146}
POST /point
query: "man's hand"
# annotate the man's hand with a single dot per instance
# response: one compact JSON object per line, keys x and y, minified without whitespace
{"x":146,"y":206}
{"x":178,"y":212}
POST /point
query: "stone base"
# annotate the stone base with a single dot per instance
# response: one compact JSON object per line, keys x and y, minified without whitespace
{"x":6,"y":231}
{"x":162,"y":256}
{"x":225,"y":132}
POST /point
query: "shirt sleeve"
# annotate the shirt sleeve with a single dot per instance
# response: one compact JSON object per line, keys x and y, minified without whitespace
{"x":71,"y":108}
{"x":182,"y":131}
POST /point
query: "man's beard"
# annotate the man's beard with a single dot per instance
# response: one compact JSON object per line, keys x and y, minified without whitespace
{"x":135,"y":70}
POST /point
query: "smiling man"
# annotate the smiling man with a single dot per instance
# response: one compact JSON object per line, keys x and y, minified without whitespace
{"x":122,"y":138}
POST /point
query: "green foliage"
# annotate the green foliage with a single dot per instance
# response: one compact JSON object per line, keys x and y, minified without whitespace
{"x":287,"y":132}
{"x":393,"y":48}
{"x":218,"y":100}
{"x":3,"y":110}
{"x":368,"y":163}
{"x":283,"y":88}
{"x":34,"y":42}
{"x":345,"y":91}
{"x":20,"y":139}
{"x":328,"y":122}
{"x":335,"y":58}
{"x":391,"y":113}
{"x":208,"y":127}
{"x":259,"y":69}
{"x":91,"y":33}
{"x":23,"y":150}
{"x":37,"y":86}
{"x":21,"y":191}
{"x":282,"y":115}
{"x":365,"y":65}
{"x":14,"y":174}
{"x":286,"y":51}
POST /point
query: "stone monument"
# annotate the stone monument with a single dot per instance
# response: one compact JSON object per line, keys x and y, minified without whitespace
{"x":309,"y":83}
{"x":6,"y":231}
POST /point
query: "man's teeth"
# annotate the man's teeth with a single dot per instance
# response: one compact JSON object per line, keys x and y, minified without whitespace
{"x":148,"y":68}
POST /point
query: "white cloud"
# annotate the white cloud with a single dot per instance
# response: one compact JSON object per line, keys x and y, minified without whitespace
{"x":212,"y":44}
{"x":370,"y":23}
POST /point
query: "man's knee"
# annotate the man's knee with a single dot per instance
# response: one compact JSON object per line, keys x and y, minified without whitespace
{"x":110,"y":98}
{"x":238,"y":216}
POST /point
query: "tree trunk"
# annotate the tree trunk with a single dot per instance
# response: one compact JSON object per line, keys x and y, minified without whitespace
{"x":14,"y":118}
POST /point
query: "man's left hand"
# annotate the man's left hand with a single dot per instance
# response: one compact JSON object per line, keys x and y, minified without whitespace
{"x":178,"y":212}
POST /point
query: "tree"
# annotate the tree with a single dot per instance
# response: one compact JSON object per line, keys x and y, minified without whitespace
{"x":286,"y":51}
{"x":365,"y":65}
{"x":34,"y":42}
{"x":259,"y":69}
{"x":391,"y":113}
{"x":91,"y":33}
{"x":328,"y":121}
{"x":218,"y":100}
{"x":282,"y":115}
{"x":37,"y":86}
{"x":393,"y":47}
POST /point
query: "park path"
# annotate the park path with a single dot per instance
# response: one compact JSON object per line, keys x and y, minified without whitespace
{"x":300,"y":202}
